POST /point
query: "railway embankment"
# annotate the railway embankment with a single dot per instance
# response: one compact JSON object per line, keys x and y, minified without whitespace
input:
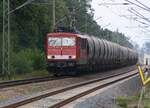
{"x":142,"y":100}
{"x":108,"y":97}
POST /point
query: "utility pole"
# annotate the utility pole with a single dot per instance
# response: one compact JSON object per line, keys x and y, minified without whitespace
{"x":6,"y":36}
{"x":73,"y":19}
{"x":54,"y":17}
{"x":86,"y":20}
{"x":6,"y":39}
{"x":86,"y":23}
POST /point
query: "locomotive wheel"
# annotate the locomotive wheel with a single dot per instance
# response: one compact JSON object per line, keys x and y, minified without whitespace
{"x":55,"y":74}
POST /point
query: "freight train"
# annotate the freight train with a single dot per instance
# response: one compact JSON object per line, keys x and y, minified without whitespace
{"x":71,"y":52}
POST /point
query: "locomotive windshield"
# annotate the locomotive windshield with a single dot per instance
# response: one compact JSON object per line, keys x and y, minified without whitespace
{"x":64,"y":41}
{"x":52,"y":41}
{"x":68,"y":41}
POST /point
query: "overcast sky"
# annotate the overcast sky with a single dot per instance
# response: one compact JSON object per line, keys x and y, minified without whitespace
{"x":119,"y":17}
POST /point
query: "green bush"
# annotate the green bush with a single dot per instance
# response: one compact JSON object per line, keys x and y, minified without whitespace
{"x":28,"y":60}
{"x":21,"y":62}
{"x":122,"y":102}
{"x":39,"y":62}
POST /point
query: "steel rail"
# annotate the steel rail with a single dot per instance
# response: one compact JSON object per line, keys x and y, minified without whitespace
{"x":57,"y":91}
{"x":27,"y":81}
{"x":32,"y":80}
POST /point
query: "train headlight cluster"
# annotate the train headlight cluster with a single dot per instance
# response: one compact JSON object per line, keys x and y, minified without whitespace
{"x":61,"y":57}
{"x":50,"y":57}
{"x":73,"y":57}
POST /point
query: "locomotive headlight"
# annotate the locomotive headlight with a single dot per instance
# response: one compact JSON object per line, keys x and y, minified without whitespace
{"x":73,"y":57}
{"x":49,"y":56}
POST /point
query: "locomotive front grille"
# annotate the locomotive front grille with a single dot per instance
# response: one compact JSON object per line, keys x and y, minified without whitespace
{"x":62,"y":64}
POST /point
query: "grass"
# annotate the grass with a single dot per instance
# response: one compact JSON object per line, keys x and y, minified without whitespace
{"x":125,"y":102}
{"x":132,"y":101}
{"x":34,"y":74}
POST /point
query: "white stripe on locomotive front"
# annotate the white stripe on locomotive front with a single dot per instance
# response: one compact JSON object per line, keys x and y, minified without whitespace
{"x":61,"y":57}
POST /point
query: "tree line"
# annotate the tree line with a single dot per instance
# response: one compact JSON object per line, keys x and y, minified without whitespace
{"x":30,"y":24}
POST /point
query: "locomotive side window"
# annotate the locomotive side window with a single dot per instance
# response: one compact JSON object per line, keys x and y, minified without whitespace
{"x":53,"y":41}
{"x":68,"y":41}
{"x":83,"y":44}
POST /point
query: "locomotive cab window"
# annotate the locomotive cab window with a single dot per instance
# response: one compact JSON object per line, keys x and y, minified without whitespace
{"x":54,"y":41}
{"x":68,"y":41}
{"x":64,"y":41}
{"x":83,"y":44}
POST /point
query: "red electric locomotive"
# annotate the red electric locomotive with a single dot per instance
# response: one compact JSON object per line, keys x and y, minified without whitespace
{"x":71,"y":52}
{"x":65,"y":51}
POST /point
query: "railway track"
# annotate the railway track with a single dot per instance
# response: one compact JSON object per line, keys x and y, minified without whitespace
{"x":86,"y":92}
{"x":27,"y":81}
{"x":111,"y":79}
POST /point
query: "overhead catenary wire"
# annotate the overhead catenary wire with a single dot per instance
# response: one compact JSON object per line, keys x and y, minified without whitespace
{"x":147,"y":19}
{"x":114,"y":4}
{"x":122,"y":4}
{"x":90,"y":22}
{"x":142,"y":22}
{"x":143,"y":4}
{"x":75,"y":9}
{"x":135,"y":19}
{"x":144,"y":8}
{"x":138,"y":14}
{"x":21,"y":6}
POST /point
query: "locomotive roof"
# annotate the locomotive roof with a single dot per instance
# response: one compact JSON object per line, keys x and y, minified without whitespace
{"x":66,"y":29}
{"x":64,"y":34}
{"x":85,"y":36}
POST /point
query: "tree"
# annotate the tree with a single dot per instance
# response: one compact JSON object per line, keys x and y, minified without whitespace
{"x":30,"y":24}
{"x":1,"y":26}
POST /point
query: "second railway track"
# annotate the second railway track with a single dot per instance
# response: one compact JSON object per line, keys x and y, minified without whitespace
{"x":27,"y":81}
{"x":65,"y":89}
{"x":36,"y":80}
